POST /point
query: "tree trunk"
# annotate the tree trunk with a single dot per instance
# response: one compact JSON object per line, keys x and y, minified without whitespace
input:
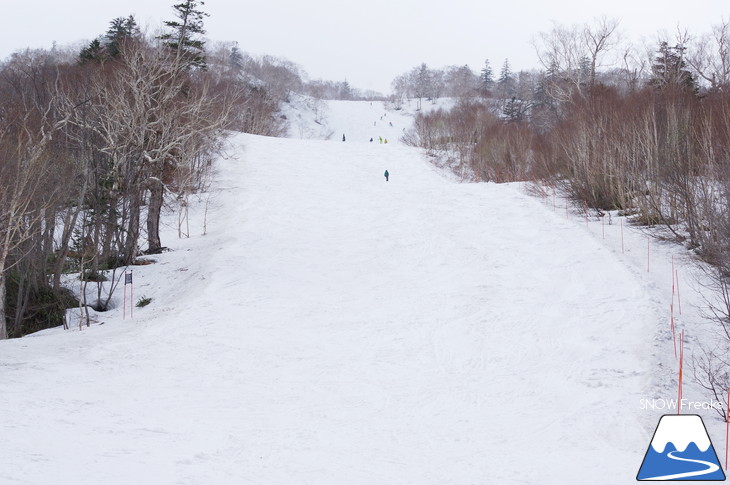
{"x":157,"y":192}
{"x":132,"y":236}
{"x":3,"y":321}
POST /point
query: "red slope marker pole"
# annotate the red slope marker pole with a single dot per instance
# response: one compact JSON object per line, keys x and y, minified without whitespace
{"x":679,"y":299}
{"x":727,"y":427}
{"x":681,"y":363}
{"x":672,"y":327}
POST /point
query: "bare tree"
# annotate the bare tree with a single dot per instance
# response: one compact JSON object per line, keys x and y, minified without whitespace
{"x":599,"y":38}
{"x":23,"y":178}
{"x":572,"y":54}
{"x":709,"y":56}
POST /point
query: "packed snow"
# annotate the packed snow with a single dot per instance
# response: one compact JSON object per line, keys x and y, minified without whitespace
{"x":332,"y":327}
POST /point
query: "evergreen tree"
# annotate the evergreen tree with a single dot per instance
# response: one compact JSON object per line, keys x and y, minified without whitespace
{"x":236,"y":59}
{"x":109,"y":45}
{"x":345,"y":90}
{"x":93,"y":52}
{"x":585,"y":69}
{"x":120,"y":29}
{"x":422,"y":80}
{"x":670,"y":68}
{"x":487,"y":78}
{"x":186,"y":32}
{"x":506,"y":81}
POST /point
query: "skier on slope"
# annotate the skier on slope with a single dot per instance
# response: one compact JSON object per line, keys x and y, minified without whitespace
{"x":386,"y":175}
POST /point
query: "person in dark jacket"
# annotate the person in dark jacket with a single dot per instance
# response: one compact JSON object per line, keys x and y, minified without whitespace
{"x":343,"y":137}
{"x":386,"y":175}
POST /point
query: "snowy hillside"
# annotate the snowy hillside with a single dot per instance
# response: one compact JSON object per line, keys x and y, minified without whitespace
{"x":336,"y":328}
{"x":359,"y":121}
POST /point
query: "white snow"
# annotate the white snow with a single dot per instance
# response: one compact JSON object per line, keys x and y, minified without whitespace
{"x":336,"y":328}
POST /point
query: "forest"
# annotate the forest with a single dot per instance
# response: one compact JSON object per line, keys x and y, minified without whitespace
{"x":95,"y":143}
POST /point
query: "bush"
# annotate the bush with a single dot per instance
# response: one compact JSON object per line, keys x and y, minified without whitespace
{"x":94,"y":276}
{"x":143,"y":302}
{"x":44,"y":307}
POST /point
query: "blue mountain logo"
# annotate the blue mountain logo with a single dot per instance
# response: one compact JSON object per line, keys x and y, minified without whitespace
{"x":681,"y":450}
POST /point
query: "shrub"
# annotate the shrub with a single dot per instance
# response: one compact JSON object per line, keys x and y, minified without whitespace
{"x":143,"y":302}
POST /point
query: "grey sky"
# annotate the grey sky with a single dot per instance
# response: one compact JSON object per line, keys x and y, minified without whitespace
{"x":367,"y":43}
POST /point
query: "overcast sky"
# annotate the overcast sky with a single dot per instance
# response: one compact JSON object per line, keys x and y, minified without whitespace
{"x":368,"y":43}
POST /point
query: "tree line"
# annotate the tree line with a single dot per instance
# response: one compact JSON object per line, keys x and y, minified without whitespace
{"x":95,"y":143}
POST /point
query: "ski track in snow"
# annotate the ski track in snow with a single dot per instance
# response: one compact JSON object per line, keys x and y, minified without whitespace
{"x":334,"y":328}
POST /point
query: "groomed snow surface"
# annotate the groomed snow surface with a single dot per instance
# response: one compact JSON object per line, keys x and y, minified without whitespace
{"x":335,"y":328}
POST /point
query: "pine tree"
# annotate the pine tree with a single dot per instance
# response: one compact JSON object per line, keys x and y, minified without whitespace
{"x":670,"y":68}
{"x":487,"y":78}
{"x":109,"y":45}
{"x":585,"y":70}
{"x":512,"y":110}
{"x":120,"y":29}
{"x":345,"y":90}
{"x":93,"y":52}
{"x":185,"y":37}
{"x":421,"y":79}
{"x":236,"y":59}
{"x":506,"y":81}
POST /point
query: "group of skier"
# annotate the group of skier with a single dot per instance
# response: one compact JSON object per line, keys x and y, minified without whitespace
{"x":381,"y":140}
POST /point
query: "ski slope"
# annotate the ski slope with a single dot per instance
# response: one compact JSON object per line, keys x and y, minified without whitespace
{"x":334,"y":328}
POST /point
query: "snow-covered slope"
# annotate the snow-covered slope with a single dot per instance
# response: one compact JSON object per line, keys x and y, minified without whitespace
{"x":334,"y":328}
{"x":359,"y":121}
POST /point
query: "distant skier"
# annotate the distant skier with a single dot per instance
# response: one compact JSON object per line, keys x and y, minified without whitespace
{"x":343,"y":137}
{"x":381,"y":139}
{"x":386,"y":175}
{"x":371,"y":140}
